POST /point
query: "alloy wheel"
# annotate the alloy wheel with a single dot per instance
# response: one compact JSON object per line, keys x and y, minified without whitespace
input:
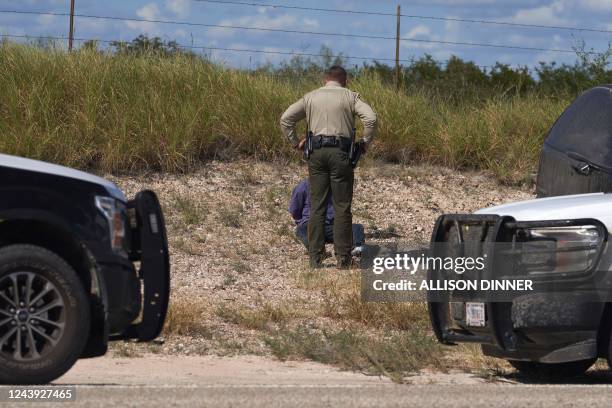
{"x":32,"y":316}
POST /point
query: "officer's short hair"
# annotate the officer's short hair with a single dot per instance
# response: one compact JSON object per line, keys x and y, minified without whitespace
{"x":336,"y":73}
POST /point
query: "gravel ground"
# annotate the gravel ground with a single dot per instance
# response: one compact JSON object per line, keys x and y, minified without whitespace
{"x":231,"y":237}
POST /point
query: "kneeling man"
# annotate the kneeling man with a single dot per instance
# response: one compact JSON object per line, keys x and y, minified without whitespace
{"x":299,"y":207}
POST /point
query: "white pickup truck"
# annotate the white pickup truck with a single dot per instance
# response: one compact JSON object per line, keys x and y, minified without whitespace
{"x":559,"y":240}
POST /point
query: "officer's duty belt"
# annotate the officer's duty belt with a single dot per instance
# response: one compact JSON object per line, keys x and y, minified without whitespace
{"x":320,"y":141}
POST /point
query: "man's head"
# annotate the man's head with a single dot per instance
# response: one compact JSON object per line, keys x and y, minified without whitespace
{"x":337,"y":74}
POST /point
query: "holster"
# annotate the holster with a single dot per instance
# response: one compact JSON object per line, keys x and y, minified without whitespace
{"x":308,"y":147}
{"x":355,"y":154}
{"x":356,"y":151}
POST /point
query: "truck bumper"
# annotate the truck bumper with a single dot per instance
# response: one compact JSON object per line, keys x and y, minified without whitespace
{"x":123,"y":296}
{"x":543,"y":327}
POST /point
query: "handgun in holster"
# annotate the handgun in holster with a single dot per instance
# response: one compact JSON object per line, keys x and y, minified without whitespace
{"x":308,"y":148}
{"x":356,"y":150}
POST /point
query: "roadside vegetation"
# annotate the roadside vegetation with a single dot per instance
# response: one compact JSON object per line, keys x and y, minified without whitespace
{"x":241,"y":283}
{"x":239,"y":276}
{"x":388,"y":339}
{"x":146,"y":105}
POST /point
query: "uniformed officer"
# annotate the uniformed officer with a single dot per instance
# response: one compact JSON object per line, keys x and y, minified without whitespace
{"x":330,"y":113}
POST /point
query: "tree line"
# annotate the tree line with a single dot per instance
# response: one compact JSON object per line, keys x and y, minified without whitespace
{"x":456,"y":78}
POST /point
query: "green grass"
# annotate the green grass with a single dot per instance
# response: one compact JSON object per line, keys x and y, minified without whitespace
{"x":121,"y":114}
{"x":257,"y":318}
{"x":193,"y":212}
{"x":395,"y":355}
{"x":230,"y":216}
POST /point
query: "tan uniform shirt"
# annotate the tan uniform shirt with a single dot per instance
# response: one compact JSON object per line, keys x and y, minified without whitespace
{"x":330,"y":111}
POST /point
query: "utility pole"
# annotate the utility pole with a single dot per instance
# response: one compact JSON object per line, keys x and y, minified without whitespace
{"x":397,"y":48}
{"x":71,"y":33}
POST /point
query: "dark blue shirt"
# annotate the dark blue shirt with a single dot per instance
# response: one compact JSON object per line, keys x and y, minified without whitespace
{"x":300,"y":204}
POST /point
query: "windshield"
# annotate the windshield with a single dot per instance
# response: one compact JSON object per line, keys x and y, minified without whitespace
{"x":586,"y":127}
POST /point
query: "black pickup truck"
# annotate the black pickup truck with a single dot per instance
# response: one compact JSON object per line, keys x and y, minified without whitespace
{"x":79,"y":265}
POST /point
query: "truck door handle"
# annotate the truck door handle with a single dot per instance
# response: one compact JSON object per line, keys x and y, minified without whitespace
{"x":584,"y":169}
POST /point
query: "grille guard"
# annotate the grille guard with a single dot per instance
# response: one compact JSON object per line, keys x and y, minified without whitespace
{"x":150,"y":247}
{"x":498,"y":330}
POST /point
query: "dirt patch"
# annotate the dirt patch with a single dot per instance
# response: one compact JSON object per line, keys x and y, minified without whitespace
{"x":239,"y":275}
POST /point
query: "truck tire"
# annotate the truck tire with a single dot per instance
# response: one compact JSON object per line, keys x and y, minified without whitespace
{"x":552,"y":371}
{"x":44,"y":315}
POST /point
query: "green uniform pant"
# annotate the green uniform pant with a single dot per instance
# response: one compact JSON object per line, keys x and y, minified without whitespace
{"x":330,"y":171}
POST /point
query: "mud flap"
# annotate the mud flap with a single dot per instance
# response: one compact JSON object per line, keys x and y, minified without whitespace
{"x":150,"y":247}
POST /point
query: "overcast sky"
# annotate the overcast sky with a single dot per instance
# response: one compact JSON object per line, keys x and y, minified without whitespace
{"x":595,"y":14}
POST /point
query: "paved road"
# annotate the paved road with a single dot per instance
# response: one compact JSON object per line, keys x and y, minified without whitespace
{"x":344,"y":395}
{"x":260,"y":382}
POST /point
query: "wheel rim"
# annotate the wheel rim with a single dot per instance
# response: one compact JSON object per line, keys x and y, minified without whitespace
{"x":32,"y":316}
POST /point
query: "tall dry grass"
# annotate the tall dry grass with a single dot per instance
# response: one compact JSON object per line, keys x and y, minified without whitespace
{"x":120,"y":114}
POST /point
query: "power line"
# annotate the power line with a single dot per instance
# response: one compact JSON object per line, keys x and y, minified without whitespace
{"x":245,"y":50}
{"x":287,"y":31}
{"x":504,"y":23}
{"x":197,"y":47}
{"x":283,"y":6}
{"x":421,"y":17}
